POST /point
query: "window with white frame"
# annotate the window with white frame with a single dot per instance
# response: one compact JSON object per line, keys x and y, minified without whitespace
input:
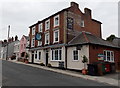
{"x":108,"y":55}
{"x":82,"y":23}
{"x":47,"y":24}
{"x":39,"y":55}
{"x":56,"y":36}
{"x":47,"y":38}
{"x":33,"y":42}
{"x":39,"y":43}
{"x":56,"y":54}
{"x":33,"y":30}
{"x":56,"y":21}
{"x":75,"y":55}
{"x":35,"y":54}
{"x":40,"y":27}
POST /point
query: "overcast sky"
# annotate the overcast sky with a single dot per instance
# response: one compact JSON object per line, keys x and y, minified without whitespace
{"x":20,"y":14}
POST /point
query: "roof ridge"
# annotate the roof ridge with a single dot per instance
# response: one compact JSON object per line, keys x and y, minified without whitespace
{"x":74,"y":38}
{"x":85,"y":37}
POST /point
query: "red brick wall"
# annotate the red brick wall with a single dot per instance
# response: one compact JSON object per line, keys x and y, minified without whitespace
{"x":93,"y":53}
{"x":51,"y":30}
{"x":91,"y":26}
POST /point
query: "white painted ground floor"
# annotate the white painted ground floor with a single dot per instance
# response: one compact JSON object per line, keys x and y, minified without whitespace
{"x":70,"y":57}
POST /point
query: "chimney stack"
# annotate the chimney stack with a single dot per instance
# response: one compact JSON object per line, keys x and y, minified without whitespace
{"x":88,"y":12}
{"x":74,"y":4}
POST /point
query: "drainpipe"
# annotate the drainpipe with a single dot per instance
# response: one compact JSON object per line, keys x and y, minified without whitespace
{"x":66,"y":43}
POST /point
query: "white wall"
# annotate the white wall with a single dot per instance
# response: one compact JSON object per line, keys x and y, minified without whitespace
{"x":56,"y":63}
{"x":37,"y":60}
{"x":78,"y":65}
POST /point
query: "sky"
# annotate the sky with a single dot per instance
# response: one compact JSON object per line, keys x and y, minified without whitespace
{"x":20,"y":14}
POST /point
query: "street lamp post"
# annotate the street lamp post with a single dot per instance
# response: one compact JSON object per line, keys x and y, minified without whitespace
{"x":8,"y":42}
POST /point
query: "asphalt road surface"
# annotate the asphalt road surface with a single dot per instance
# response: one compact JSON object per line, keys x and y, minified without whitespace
{"x":21,"y":75}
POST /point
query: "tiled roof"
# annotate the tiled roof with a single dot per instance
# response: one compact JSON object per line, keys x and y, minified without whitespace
{"x":116,"y":41}
{"x":88,"y":38}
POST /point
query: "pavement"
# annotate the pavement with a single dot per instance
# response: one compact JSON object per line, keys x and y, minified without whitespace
{"x":111,"y":79}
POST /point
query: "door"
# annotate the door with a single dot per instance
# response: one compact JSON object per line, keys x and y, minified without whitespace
{"x":46,"y":57}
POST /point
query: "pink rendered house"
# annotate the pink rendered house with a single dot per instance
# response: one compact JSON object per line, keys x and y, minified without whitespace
{"x":24,"y":43}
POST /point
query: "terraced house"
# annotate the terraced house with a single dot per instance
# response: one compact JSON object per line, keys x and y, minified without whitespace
{"x":64,"y":37}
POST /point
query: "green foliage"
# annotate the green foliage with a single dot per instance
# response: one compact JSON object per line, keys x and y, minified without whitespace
{"x":85,"y":60}
{"x":110,"y":38}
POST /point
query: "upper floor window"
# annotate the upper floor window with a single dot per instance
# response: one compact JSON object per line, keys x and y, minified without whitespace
{"x":108,"y":55}
{"x":40,"y":27}
{"x":47,"y":38}
{"x":82,"y":23}
{"x":70,"y":23}
{"x":33,"y":30}
{"x":56,"y":21}
{"x":33,"y":42}
{"x":39,"y":43}
{"x":47,"y":24}
{"x":56,"y":36}
{"x":75,"y":55}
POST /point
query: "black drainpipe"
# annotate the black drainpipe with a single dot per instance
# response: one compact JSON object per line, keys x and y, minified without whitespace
{"x":66,"y":46}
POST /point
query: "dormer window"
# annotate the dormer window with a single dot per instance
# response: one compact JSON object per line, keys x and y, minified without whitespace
{"x":40,"y":27}
{"x":56,"y":21}
{"x":47,"y":24}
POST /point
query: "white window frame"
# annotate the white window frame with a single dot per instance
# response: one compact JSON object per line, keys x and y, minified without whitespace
{"x":47,"y":28}
{"x":53,"y":55}
{"x":73,"y":55}
{"x":82,"y":23}
{"x":39,"y":43}
{"x":33,"y":30}
{"x":48,"y":38}
{"x":40,"y":27}
{"x":57,"y":16}
{"x":55,"y":37}
{"x":38,"y":56}
{"x":111,"y":57}
{"x":33,"y":43}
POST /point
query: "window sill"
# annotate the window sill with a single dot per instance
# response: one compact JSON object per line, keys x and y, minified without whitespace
{"x":75,"y":60}
{"x":55,"y":60}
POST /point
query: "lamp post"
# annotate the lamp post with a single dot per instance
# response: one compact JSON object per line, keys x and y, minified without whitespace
{"x":8,"y":41}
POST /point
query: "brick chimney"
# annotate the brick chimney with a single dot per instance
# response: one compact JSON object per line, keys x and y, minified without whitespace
{"x":74,"y":4}
{"x":88,"y":12}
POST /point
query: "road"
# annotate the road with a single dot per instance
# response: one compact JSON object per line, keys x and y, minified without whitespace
{"x":14,"y":74}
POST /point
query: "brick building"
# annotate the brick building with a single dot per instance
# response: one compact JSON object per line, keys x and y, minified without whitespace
{"x":50,"y":38}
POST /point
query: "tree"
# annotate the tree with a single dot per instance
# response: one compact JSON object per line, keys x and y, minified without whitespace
{"x":111,"y":38}
{"x":85,"y":60}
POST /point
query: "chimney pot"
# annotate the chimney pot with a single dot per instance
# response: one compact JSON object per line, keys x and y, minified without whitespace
{"x":74,"y":4}
{"x":87,"y":12}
